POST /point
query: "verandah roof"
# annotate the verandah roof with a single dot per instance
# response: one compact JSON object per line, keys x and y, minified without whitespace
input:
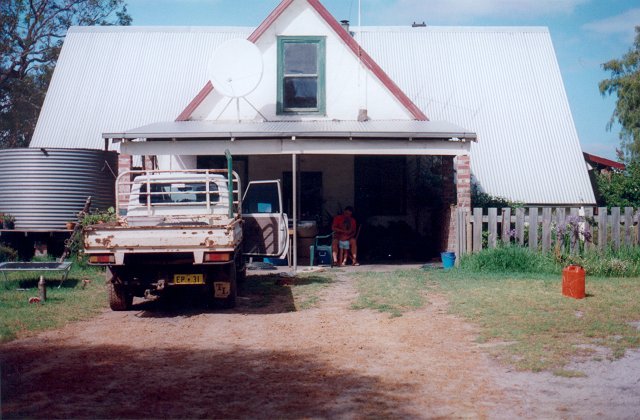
{"x":409,"y":129}
{"x":291,"y":137}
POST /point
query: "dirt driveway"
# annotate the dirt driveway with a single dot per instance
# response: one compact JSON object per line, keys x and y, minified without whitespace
{"x":327,"y":362}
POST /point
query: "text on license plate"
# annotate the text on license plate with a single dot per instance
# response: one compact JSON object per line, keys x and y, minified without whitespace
{"x":188,"y":279}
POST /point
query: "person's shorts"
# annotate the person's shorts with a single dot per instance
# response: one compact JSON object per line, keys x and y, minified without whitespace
{"x":343,"y":244}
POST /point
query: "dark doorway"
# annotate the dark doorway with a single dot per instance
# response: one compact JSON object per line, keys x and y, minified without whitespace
{"x":380,"y":185}
{"x":310,"y":195}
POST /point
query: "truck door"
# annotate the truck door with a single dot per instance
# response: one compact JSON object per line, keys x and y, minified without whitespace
{"x":265,"y":227}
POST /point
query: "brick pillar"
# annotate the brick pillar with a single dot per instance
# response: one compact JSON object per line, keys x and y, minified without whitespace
{"x":124,"y":164}
{"x":448,"y":201}
{"x":463,"y":187}
{"x":462,"y":193}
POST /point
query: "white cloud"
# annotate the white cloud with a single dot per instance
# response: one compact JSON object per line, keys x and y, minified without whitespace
{"x":622,"y":24}
{"x":463,"y":10}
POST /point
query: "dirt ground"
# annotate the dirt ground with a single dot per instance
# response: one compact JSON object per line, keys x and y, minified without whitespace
{"x":327,"y":362}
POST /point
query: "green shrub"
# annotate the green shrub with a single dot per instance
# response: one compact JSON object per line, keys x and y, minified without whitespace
{"x":7,"y":253}
{"x":98,"y":216}
{"x":511,"y":258}
{"x":624,"y":262}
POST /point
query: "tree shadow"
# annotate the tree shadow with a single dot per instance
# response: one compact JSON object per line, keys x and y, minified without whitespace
{"x":183,"y":382}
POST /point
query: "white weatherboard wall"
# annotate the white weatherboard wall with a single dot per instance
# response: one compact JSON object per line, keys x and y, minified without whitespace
{"x":349,"y":86}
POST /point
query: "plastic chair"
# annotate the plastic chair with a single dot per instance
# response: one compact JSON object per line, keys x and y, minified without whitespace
{"x":318,"y":247}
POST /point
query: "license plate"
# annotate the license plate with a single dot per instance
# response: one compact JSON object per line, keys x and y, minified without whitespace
{"x":188,"y":279}
{"x":221,"y":289}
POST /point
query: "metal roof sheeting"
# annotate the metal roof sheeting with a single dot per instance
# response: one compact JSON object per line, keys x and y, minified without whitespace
{"x":505,"y":85}
{"x":317,"y":129}
{"x":115,"y":78}
{"x":502,"y":83}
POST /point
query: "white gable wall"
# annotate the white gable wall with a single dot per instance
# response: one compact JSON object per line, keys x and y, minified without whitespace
{"x":349,"y":85}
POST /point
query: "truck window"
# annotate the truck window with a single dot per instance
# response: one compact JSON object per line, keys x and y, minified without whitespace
{"x":172,"y":193}
{"x":261,"y":198}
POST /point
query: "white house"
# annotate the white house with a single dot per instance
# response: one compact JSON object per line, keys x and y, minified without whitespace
{"x":386,"y":118}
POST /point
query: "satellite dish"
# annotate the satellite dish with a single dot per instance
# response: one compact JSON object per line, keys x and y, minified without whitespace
{"x":235,"y":69}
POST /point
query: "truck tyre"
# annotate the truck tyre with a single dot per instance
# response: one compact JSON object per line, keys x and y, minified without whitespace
{"x":241,"y":271}
{"x":119,"y":297}
{"x":227,"y":274}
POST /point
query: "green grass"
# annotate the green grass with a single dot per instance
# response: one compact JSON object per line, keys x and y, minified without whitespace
{"x":624,"y":262}
{"x":541,"y":328}
{"x":396,"y":292}
{"x":75,"y":300}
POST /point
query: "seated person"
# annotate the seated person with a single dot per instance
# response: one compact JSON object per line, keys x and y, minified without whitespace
{"x":344,"y":238}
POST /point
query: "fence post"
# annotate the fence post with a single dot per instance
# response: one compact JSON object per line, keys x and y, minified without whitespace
{"x":574,"y":243}
{"x":520,"y":225}
{"x":637,"y":228}
{"x":602,"y":228}
{"x":493,"y":227}
{"x":506,"y":225}
{"x":615,"y":227}
{"x":533,"y":228}
{"x":477,"y":229}
{"x":588,"y":217}
{"x":628,"y":226}
{"x":560,"y":221}
{"x":546,"y":229}
{"x":461,"y":229}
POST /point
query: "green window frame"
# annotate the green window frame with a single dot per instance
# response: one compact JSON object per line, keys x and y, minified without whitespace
{"x":306,"y":76}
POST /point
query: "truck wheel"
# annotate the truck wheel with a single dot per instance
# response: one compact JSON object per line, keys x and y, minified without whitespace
{"x":120,"y":299}
{"x":226,"y":275}
{"x":241,"y":273}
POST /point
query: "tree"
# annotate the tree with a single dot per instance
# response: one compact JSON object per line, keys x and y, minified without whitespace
{"x":620,"y":188}
{"x":625,"y":83}
{"x":31,"y":35}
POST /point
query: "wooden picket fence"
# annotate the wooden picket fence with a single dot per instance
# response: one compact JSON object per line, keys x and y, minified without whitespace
{"x":547,"y":228}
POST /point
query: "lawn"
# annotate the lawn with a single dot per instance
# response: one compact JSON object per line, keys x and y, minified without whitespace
{"x":523,"y":319}
{"x":536,"y":327}
{"x":81,"y":296}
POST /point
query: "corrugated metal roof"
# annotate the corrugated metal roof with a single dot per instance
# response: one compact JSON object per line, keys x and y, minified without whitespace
{"x":502,"y":83}
{"x":115,"y":78}
{"x":329,"y":129}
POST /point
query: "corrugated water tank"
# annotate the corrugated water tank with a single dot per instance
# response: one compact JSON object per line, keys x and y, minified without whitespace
{"x":45,"y":188}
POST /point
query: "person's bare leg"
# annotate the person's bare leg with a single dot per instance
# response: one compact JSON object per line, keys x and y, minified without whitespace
{"x":334,"y":251}
{"x":344,"y":253}
{"x":354,"y":251}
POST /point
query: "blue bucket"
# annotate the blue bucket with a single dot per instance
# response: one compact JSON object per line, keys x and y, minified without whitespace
{"x":448,"y":259}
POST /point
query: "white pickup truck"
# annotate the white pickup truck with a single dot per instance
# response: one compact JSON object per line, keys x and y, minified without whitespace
{"x":186,"y":228}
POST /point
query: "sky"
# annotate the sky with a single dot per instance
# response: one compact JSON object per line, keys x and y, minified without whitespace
{"x":585,"y":34}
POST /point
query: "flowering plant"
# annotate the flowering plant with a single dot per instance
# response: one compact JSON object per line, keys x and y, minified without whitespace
{"x":8,"y":221}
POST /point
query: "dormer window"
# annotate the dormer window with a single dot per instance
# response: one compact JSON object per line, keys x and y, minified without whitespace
{"x":301,"y":75}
